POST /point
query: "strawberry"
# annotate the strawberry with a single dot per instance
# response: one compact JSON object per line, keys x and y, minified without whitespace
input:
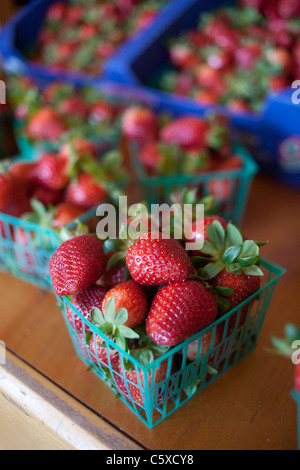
{"x":130,"y":379}
{"x":66,"y":213}
{"x":47,"y":196}
{"x":140,"y":125}
{"x":114,"y":275}
{"x":56,"y":12}
{"x":280,"y":58}
{"x":196,"y":351}
{"x":207,"y":97}
{"x":73,"y":106}
{"x":182,"y":56}
{"x":155,"y":260}
{"x":102,"y":111}
{"x":131,"y":296}
{"x":14,"y":199}
{"x":85,"y":302}
{"x":77,"y":148}
{"x":196,"y":236}
{"x":247,"y":55}
{"x":179,"y":311}
{"x":187,"y":132}
{"x":207,"y":76}
{"x":22,"y":171}
{"x":86,"y":192}
{"x":288,"y":9}
{"x":233,"y":266}
{"x":77,"y":265}
{"x":51,"y":172}
{"x":45,"y":124}
{"x":113,"y":324}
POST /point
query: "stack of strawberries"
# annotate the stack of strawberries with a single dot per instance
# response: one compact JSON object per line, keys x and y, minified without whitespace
{"x":237,"y":55}
{"x":151,"y":294}
{"x":79,"y":35}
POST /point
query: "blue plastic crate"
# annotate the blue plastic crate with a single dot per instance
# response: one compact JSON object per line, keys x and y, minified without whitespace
{"x":272,"y":135}
{"x":21,"y":32}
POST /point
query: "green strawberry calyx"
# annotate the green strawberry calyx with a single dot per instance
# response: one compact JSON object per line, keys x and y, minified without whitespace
{"x":284,"y":346}
{"x":146,"y":351}
{"x":228,"y":250}
{"x":112,"y":324}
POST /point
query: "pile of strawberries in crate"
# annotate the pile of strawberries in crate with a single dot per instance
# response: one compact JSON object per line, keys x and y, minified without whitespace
{"x":52,"y":115}
{"x":149,"y":294}
{"x":80,"y":35}
{"x":57,"y":188}
{"x":237,"y":54}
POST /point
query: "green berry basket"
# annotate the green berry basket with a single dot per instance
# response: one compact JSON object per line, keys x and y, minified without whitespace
{"x":230,"y":189}
{"x":155,"y":391}
{"x":296,"y":397}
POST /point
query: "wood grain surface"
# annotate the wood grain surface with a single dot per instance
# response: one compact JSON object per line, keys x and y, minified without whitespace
{"x":249,"y":407}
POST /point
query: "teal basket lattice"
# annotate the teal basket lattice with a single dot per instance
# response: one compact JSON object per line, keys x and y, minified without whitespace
{"x":296,"y":397}
{"x":155,"y":391}
{"x":235,"y":184}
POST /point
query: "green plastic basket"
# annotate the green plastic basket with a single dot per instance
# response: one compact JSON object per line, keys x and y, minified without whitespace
{"x":182,"y":379}
{"x":157,"y":190}
{"x":296,"y":397}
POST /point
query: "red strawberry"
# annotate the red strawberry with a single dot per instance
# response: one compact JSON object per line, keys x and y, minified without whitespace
{"x":179,"y":311}
{"x":196,"y":351}
{"x":73,"y":14}
{"x":140,"y":125}
{"x":73,"y":106}
{"x":86,"y":192}
{"x":66,"y":213}
{"x":297,"y":378}
{"x":278,"y":83}
{"x":47,"y":196}
{"x":14,"y":199}
{"x":102,"y":111}
{"x":233,"y":265}
{"x":102,"y":355}
{"x":280,"y":57}
{"x":196,"y":236}
{"x":51,"y":172}
{"x":23,"y":172}
{"x":187,"y":132}
{"x":247,"y":55}
{"x":182,"y":56}
{"x":238,"y":105}
{"x":85,"y":302}
{"x":45,"y":124}
{"x":77,"y":148}
{"x":150,"y":157}
{"x":288,"y":9}
{"x":207,"y":97}
{"x":114,"y":275}
{"x":154,"y":260}
{"x":207,"y":76}
{"x":77,"y":265}
{"x":131,"y":296}
{"x":56,"y":12}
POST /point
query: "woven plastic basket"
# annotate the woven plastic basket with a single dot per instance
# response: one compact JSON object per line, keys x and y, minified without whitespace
{"x":159,"y":389}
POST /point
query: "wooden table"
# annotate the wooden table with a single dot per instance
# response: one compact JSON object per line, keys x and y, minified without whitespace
{"x":249,"y":407}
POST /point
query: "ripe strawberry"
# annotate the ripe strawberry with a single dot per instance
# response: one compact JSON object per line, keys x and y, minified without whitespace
{"x":51,"y":172}
{"x":179,"y":311}
{"x":102,"y":111}
{"x":233,"y":266}
{"x":182,"y":56}
{"x":56,"y":12}
{"x":114,"y":275}
{"x":85,"y":302}
{"x":207,"y":76}
{"x":86,"y":192}
{"x":45,"y":124}
{"x":280,"y":57}
{"x":73,"y":106}
{"x":131,"y":296}
{"x":288,"y":9}
{"x":14,"y":198}
{"x":238,"y":105}
{"x":207,"y":97}
{"x":246,"y":56}
{"x":22,"y":172}
{"x":140,"y":125}
{"x":47,"y":196}
{"x":77,"y":265}
{"x":154,"y":260}
{"x":196,"y":351}
{"x":66,"y":213}
{"x":187,"y":132}
{"x":151,"y":156}
{"x":76,"y":148}
{"x":196,"y":236}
